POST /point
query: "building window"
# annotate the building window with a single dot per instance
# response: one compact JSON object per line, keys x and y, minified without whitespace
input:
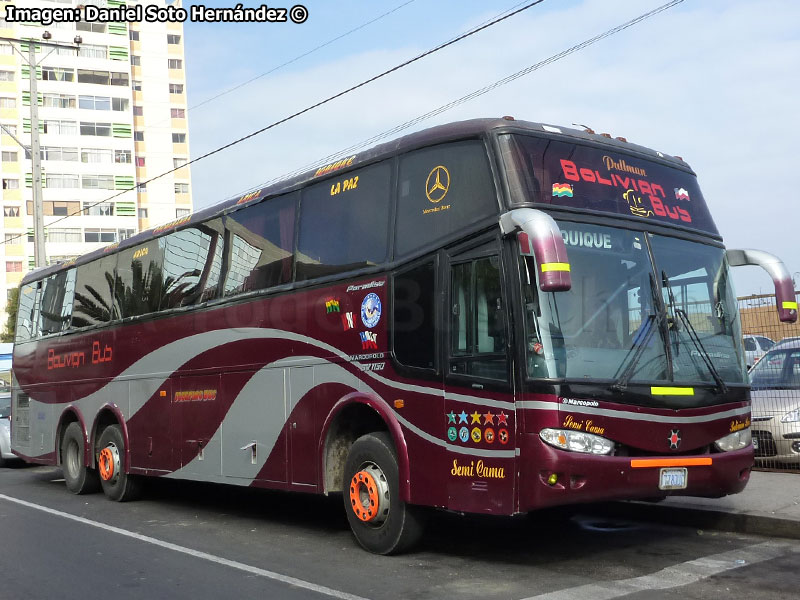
{"x":174,"y":63}
{"x":178,"y":138}
{"x":6,"y":49}
{"x":58,"y":101}
{"x":136,"y":85}
{"x":98,"y":155}
{"x":6,"y":102}
{"x":94,"y":102}
{"x":178,"y":162}
{"x":13,"y":266}
{"x":104,"y":209}
{"x":136,"y":61}
{"x":67,"y":235}
{"x":12,"y":238}
{"x":138,"y":136}
{"x":9,"y":156}
{"x":92,"y":51}
{"x":6,"y":75}
{"x":142,"y":213}
{"x":182,"y":212}
{"x":175,"y":88}
{"x":9,"y":129}
{"x":56,"y":153}
{"x":119,"y":79}
{"x":141,"y":188}
{"x":10,"y":184}
{"x":138,"y":111}
{"x":62,"y":181}
{"x":100,"y":235}
{"x":120,"y":104}
{"x":181,"y":188}
{"x":99,"y":129}
{"x":140,"y":161}
{"x":97,"y":182}
{"x":134,"y":35}
{"x":177,"y":113}
{"x":62,"y":127}
{"x":11,"y":211}
{"x":58,"y":74}
{"x":173,"y":38}
{"x":96,"y":27}
{"x":122,"y":156}
{"x":124,"y":234}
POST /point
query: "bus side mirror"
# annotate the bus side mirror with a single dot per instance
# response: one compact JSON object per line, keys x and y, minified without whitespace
{"x":785,"y":301}
{"x":539,"y":236}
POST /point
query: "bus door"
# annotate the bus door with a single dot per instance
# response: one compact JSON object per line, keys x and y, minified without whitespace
{"x":479,"y":404}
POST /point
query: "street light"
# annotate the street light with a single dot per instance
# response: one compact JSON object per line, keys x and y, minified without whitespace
{"x":39,"y":252}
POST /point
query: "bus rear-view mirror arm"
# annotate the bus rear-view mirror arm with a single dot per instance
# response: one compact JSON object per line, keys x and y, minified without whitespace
{"x":785,"y":301}
{"x":539,"y":236}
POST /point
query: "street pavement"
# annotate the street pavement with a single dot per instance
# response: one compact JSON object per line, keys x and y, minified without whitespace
{"x":769,"y":505}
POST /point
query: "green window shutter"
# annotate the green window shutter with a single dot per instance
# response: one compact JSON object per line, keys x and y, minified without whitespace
{"x":118,"y":28}
{"x":115,"y":2}
{"x":117,"y":53}
{"x":31,"y":263}
{"x":121,"y":130}
{"x":26,"y":99}
{"x":126,"y":209}
{"x":24,"y":47}
{"x":26,"y":72}
{"x":26,"y":125}
{"x":122,"y":182}
{"x":29,"y":179}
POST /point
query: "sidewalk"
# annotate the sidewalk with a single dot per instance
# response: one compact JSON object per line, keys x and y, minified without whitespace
{"x":769,"y":505}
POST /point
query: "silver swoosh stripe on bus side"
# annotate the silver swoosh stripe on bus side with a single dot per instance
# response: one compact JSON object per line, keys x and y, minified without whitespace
{"x":633,"y":416}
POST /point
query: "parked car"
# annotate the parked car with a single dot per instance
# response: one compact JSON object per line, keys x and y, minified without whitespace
{"x":755,"y":346}
{"x":5,"y":429}
{"x":775,"y":421}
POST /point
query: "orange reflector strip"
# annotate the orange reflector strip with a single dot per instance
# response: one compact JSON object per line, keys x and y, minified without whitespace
{"x":643,"y":463}
{"x":555,"y":266}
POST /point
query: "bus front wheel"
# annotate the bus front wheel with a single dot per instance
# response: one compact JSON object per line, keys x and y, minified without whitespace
{"x":79,"y":478}
{"x":381,"y":522}
{"x":117,"y":484}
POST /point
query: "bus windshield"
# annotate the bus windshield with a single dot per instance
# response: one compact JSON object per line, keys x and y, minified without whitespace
{"x":629,"y":318}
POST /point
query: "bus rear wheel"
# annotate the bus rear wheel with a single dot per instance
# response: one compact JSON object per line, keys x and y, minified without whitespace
{"x":78,"y":477}
{"x":117,"y":484}
{"x":381,"y":522}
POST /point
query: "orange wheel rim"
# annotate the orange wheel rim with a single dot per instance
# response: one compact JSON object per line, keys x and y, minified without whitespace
{"x":364,"y":496}
{"x":106,"y":464}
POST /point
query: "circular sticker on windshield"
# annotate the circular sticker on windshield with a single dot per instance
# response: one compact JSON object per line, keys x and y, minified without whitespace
{"x":371,"y":310}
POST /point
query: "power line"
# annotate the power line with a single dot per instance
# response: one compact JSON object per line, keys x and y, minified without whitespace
{"x":472,"y":95}
{"x":327,"y":100}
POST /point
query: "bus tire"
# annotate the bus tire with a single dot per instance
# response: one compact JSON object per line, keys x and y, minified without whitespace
{"x":117,"y":484}
{"x":79,"y":478}
{"x":381,"y":522}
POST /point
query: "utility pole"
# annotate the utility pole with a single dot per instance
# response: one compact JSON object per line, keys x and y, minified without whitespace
{"x":39,"y":251}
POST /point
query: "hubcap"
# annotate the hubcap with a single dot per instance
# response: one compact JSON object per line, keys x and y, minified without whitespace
{"x":108,"y":463}
{"x":72,"y":460}
{"x":369,"y":495}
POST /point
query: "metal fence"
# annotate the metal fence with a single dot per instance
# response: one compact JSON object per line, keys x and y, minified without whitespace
{"x":773,"y":350}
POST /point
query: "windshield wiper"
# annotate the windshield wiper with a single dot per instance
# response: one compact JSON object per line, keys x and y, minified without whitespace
{"x":692,"y":336}
{"x":701,"y":349}
{"x":640,"y":343}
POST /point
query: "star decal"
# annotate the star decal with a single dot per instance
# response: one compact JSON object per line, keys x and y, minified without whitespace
{"x":451,"y":417}
{"x":462,"y":417}
{"x":502,"y":419}
{"x":476,"y":418}
{"x":488,"y":417}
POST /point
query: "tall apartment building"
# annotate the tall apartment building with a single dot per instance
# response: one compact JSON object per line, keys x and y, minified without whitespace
{"x":111,"y":115}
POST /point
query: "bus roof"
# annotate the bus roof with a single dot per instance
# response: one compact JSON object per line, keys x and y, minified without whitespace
{"x":472,"y":128}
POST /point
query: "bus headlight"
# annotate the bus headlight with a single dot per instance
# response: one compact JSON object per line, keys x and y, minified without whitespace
{"x":576,"y":441}
{"x":734,"y":441}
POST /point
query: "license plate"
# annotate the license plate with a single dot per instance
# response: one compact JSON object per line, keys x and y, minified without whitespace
{"x":755,"y":443}
{"x":672,"y":479}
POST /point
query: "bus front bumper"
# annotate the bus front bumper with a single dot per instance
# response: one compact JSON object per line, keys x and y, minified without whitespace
{"x":553,"y":477}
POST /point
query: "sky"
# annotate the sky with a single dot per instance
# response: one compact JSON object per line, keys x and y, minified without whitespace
{"x":714,"y":81}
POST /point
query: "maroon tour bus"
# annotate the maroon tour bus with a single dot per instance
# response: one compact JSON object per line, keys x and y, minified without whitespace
{"x":491,"y":316}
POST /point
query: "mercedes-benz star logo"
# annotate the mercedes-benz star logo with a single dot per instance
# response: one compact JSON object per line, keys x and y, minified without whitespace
{"x":437,"y":184}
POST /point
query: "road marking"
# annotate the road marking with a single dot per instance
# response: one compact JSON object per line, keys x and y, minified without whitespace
{"x":677,"y":575}
{"x":196,"y":553}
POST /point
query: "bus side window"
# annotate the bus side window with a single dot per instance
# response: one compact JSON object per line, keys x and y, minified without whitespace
{"x":26,"y":312}
{"x":192,"y":261}
{"x":478,"y":320}
{"x":413,"y":325}
{"x":56,"y":304}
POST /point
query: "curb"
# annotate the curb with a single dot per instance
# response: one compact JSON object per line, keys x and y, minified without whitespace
{"x":702,"y":518}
